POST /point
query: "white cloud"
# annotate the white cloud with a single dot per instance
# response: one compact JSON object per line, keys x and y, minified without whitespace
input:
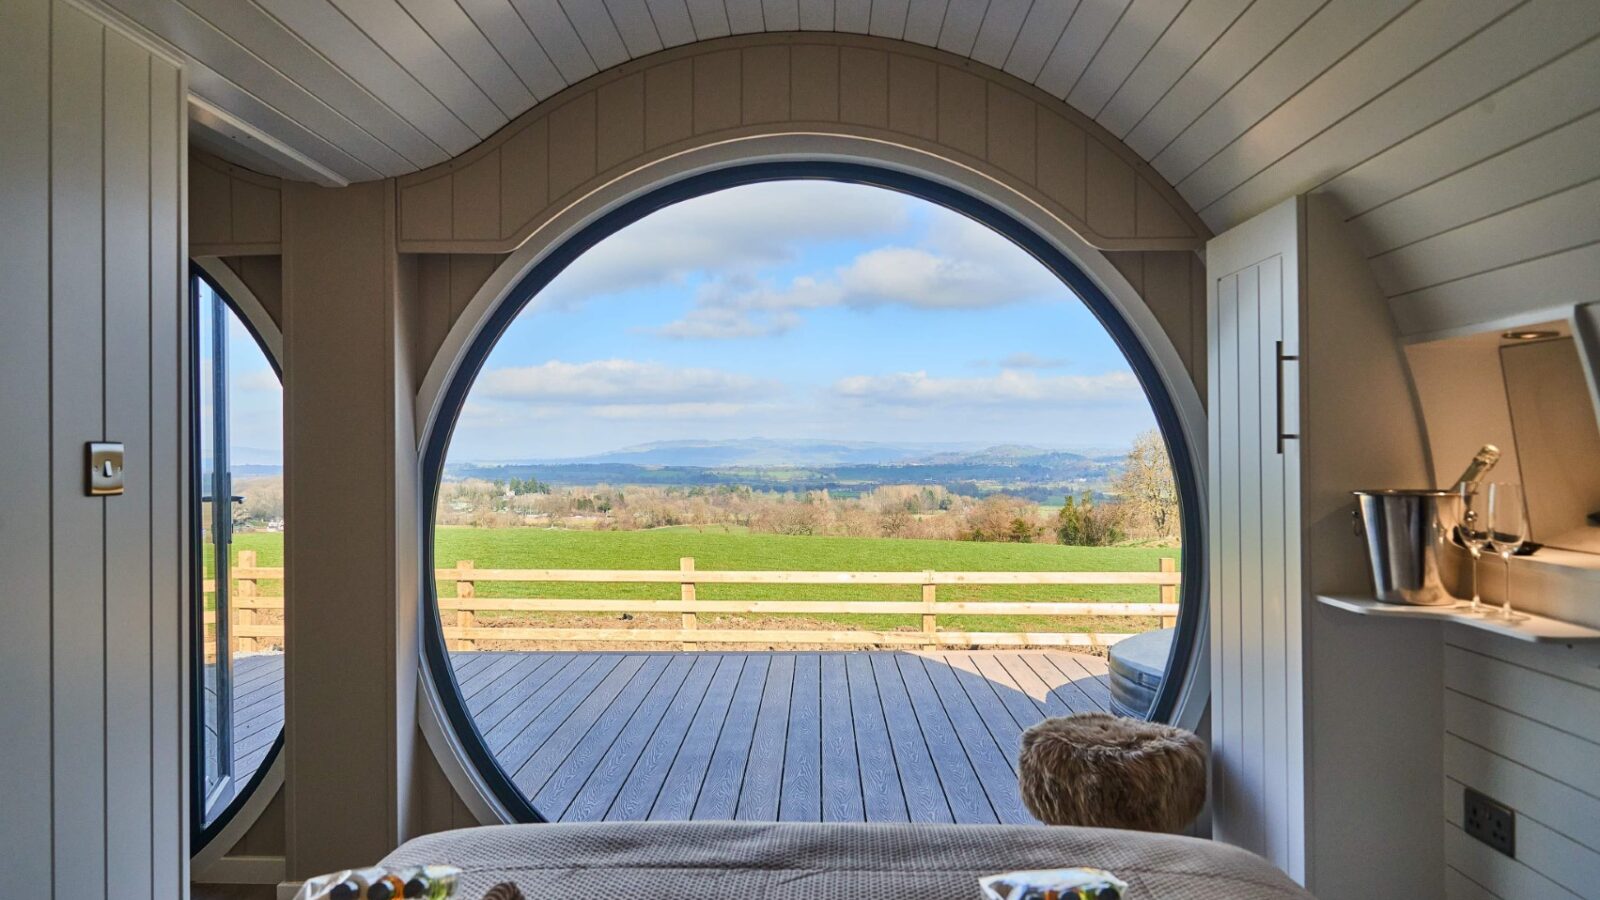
{"x":1025,"y":360}
{"x":1007,"y":387}
{"x":618,"y":382}
{"x":736,"y":230}
{"x":961,"y":265}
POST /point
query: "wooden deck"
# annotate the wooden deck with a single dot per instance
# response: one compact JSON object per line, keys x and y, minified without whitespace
{"x":878,"y":736}
{"x":257,"y":711}
{"x":881,"y":736}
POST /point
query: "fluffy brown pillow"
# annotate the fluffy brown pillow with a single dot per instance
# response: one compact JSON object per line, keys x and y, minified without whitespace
{"x":1102,"y":770}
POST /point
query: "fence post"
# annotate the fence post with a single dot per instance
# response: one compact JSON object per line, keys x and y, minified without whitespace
{"x":1169,"y":592}
{"x":242,"y":615}
{"x":930,"y":622}
{"x":466,"y":588}
{"x":686,"y":593}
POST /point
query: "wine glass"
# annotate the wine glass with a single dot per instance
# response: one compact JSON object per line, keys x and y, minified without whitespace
{"x":1473,"y":536}
{"x":1506,"y":521}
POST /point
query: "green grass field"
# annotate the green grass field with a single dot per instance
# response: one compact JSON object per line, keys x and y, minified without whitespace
{"x":526,"y":548}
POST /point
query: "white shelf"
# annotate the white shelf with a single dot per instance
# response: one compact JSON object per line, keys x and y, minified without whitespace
{"x":1529,"y":627}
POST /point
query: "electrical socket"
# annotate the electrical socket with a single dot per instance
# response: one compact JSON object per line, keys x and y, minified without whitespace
{"x":1489,"y":821}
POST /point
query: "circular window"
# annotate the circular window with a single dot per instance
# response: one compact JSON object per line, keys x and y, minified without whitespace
{"x":237,"y":528}
{"x":796,"y":491}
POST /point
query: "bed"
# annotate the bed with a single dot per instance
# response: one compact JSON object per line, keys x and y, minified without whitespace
{"x":715,"y":860}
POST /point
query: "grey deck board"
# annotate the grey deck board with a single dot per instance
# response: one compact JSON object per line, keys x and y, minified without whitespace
{"x":989,"y":761}
{"x":925,"y":796}
{"x":763,"y":774}
{"x":1089,"y":673}
{"x":800,"y":799}
{"x":680,"y":788}
{"x":614,"y":692}
{"x":560,"y":696}
{"x":841,"y":769}
{"x":719,"y":792}
{"x":614,"y":739}
{"x":882,"y":797}
{"x":963,"y":791}
{"x":640,"y":757}
{"x":1035,"y":687}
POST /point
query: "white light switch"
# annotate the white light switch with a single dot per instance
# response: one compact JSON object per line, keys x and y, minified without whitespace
{"x":105,"y":468}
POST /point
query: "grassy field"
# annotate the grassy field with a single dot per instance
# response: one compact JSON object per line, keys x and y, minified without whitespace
{"x":525,"y":548}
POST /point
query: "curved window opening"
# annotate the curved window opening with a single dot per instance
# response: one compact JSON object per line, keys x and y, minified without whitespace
{"x":821,"y":481}
{"x":237,"y":528}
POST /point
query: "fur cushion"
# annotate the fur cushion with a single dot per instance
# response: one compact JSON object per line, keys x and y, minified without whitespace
{"x":1101,"y":770}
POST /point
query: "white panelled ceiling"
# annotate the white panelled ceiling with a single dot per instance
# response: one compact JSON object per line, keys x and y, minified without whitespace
{"x":1458,"y":134}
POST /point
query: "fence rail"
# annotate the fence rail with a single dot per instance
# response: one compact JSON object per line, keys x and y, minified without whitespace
{"x":462,"y":630}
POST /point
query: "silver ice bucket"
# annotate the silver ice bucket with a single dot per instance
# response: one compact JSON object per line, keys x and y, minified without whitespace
{"x":1406,"y":534}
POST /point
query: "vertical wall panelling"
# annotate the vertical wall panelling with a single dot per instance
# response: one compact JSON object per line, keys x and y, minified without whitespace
{"x":1522,"y":725}
{"x":77,"y":414}
{"x":1254,"y":311}
{"x":25,"y":724}
{"x":91,"y":717}
{"x":1295,"y":780}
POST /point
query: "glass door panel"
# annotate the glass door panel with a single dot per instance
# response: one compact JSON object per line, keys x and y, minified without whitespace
{"x":212,"y":535}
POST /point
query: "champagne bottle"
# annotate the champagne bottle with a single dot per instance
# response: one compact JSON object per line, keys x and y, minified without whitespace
{"x":1482,"y":462}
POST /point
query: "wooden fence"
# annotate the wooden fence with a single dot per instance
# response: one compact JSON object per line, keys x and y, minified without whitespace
{"x":462,"y":629}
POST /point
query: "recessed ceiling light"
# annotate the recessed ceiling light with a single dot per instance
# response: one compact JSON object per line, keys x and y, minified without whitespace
{"x":1530,"y":335}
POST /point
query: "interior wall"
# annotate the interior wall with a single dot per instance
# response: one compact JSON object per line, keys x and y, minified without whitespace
{"x":363,"y":317}
{"x":1373,"y":721}
{"x":1522,"y":726}
{"x":94,"y":634}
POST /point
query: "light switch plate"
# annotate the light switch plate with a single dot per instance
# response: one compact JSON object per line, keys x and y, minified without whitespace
{"x":105,"y":468}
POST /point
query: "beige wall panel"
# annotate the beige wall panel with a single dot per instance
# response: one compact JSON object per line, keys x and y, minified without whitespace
{"x":1012,"y":133}
{"x":256,"y":213}
{"x":1168,"y":289}
{"x":468,"y":272}
{"x":339,"y":556}
{"x":914,"y":96}
{"x":572,"y":145}
{"x":232,"y":210}
{"x":524,"y":176}
{"x":475,"y":199}
{"x":1152,"y":216}
{"x":210,"y":203}
{"x":263,"y":275}
{"x":963,"y":118}
{"x":668,"y":103}
{"x":815,"y":80}
{"x":434,"y":314}
{"x":1111,"y":187}
{"x":716,"y":91}
{"x":621,"y":117}
{"x":739,"y":88}
{"x":1062,"y":163}
{"x":864,"y":81}
{"x":765,"y":96}
{"x":429,"y":210}
{"x":265,"y":837}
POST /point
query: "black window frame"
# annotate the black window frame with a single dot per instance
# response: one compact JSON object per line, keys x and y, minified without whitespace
{"x":201,"y":832}
{"x":1193,"y":590}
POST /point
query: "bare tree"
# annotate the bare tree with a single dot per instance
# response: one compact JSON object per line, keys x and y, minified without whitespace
{"x":1147,"y":490}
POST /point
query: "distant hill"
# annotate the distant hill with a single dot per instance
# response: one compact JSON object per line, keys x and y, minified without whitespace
{"x":770,"y":452}
{"x":844,"y":468}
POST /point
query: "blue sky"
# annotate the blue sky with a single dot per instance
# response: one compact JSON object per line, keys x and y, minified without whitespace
{"x":801,"y":310}
{"x":786,"y":310}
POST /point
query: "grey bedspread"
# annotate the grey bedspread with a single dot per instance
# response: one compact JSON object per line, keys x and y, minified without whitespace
{"x":715,"y":860}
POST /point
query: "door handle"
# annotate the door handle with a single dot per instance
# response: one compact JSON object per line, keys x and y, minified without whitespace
{"x":1281,"y":358}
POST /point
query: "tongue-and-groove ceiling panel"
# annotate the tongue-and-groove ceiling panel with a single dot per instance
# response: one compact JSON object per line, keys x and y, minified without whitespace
{"x":1458,"y":134}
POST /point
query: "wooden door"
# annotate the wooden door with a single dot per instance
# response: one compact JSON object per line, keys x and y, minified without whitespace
{"x":1254,"y":298}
